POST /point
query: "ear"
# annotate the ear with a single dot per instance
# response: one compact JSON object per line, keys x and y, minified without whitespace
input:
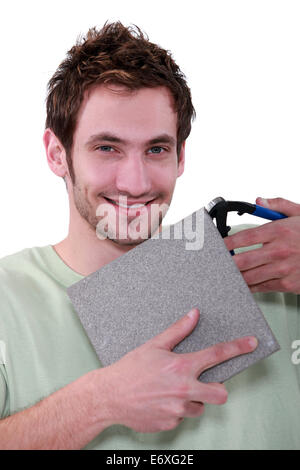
{"x":181,"y":160}
{"x":56,"y":155}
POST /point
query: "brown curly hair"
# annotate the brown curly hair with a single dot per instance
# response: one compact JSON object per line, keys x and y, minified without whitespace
{"x":119,"y":55}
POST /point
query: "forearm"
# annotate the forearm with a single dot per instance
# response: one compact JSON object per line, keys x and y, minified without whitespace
{"x":67,"y":419}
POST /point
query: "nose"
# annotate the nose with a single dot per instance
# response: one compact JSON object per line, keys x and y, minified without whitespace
{"x":133,"y":177}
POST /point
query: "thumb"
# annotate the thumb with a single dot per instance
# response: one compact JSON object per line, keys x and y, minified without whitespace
{"x":279,"y":204}
{"x":178,"y":331}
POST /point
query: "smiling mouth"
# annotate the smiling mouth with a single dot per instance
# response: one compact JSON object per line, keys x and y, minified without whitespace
{"x":128,"y":206}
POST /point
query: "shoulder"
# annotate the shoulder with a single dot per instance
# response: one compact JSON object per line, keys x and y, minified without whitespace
{"x":22,"y":292}
{"x":17,"y":270}
{"x":12,"y":260}
{"x":13,"y":264}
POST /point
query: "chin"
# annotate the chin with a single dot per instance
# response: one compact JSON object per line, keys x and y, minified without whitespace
{"x":128,"y":242}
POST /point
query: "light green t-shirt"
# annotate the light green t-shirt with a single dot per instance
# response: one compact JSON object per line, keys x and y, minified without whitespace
{"x":44,"y":347}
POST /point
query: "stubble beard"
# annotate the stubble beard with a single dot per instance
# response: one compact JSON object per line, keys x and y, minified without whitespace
{"x":88,"y":213}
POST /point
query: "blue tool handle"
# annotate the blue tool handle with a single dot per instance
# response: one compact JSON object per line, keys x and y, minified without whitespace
{"x":267,"y":213}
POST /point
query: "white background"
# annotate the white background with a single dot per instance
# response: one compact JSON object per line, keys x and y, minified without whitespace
{"x":241,"y":60}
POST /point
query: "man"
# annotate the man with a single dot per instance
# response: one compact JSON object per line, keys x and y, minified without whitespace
{"x":118,"y":115}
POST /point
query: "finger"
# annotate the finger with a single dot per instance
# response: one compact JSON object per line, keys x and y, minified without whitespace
{"x":269,"y":286}
{"x":269,"y":253}
{"x":280,"y":204}
{"x":194,"y":409}
{"x":288,"y":284}
{"x":266,"y":273}
{"x":254,"y":258}
{"x":252,"y":236}
{"x":177,"y":332}
{"x":212,"y":393}
{"x":221,"y":352}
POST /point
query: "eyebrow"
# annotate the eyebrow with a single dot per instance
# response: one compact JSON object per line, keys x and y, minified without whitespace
{"x":108,"y":137}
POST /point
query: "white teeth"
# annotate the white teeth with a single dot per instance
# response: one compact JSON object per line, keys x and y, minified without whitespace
{"x":133,"y":206}
{"x":129,"y":207}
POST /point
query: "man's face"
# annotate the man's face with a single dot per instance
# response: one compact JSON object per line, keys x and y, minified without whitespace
{"x":124,"y":152}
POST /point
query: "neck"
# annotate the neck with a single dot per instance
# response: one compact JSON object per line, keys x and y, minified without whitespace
{"x":85,"y":253}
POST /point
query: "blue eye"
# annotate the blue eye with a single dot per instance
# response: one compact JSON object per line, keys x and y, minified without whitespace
{"x":105,"y":148}
{"x":157,"y":150}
